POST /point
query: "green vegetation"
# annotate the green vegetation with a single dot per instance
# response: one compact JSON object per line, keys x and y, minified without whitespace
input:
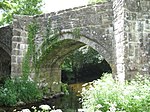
{"x":78,"y":59}
{"x":21,"y":7}
{"x":50,"y":42}
{"x":108,"y":95}
{"x":19,"y":90}
{"x":5,"y":5}
{"x":27,"y":66}
{"x":76,"y":32}
{"x":65,"y":88}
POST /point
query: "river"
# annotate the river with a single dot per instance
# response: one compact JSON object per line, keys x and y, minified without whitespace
{"x":67,"y":103}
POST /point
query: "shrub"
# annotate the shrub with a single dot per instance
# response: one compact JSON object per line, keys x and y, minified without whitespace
{"x":108,"y":95}
{"x":19,"y":89}
{"x":65,"y":88}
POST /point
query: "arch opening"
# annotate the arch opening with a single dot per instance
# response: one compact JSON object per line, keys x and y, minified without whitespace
{"x":5,"y":65}
{"x":84,"y":65}
{"x":50,"y":69}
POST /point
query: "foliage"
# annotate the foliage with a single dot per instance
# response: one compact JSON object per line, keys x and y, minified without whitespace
{"x":30,"y":54}
{"x":108,"y":95}
{"x":49,"y":43}
{"x":5,"y":5}
{"x":19,"y":89}
{"x":65,"y":88}
{"x":21,"y":7}
{"x":78,"y":59}
{"x":96,"y":1}
{"x":76,"y":33}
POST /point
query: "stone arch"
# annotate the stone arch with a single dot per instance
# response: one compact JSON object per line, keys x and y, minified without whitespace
{"x":5,"y":63}
{"x":5,"y":47}
{"x":107,"y":54}
{"x":50,"y":71}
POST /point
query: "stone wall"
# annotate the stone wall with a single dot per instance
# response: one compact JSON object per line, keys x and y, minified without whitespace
{"x":93,"y":21}
{"x":5,"y":51}
{"x":137,"y":32}
{"x":119,"y":38}
{"x":118,"y":30}
{"x":132,"y":37}
{"x":19,"y":43}
{"x":6,"y":38}
{"x":96,"y":30}
{"x":5,"y":64}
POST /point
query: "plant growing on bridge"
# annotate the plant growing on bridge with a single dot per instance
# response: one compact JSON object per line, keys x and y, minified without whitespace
{"x":76,"y":32}
{"x":50,"y":39}
{"x":27,"y":66}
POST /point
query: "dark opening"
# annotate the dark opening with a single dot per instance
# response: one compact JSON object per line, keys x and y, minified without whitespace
{"x":5,"y":65}
{"x":87,"y":73}
{"x":90,"y":67}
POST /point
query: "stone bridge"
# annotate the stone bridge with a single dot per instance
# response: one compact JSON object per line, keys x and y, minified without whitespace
{"x":119,"y":30}
{"x":5,"y":50}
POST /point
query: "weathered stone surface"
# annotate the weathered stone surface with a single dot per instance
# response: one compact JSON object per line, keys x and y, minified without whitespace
{"x":5,"y":51}
{"x":119,"y":30}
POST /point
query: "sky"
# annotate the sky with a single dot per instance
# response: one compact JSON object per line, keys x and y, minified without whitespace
{"x":56,"y":5}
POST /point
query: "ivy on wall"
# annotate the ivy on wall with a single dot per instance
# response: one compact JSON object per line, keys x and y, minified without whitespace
{"x":50,"y":41}
{"x":27,"y":66}
{"x":76,"y":33}
{"x":33,"y":59}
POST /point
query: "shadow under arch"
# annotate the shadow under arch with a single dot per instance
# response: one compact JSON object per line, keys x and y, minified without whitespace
{"x":5,"y":47}
{"x":5,"y":65}
{"x":82,"y":66}
{"x":50,"y":70}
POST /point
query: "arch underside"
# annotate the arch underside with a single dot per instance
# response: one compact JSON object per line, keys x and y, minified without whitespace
{"x":50,"y":70}
{"x":67,"y":44}
{"x":5,"y":63}
{"x":5,"y":47}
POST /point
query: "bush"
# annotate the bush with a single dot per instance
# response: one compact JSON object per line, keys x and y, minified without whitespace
{"x":108,"y":95}
{"x":19,"y":89}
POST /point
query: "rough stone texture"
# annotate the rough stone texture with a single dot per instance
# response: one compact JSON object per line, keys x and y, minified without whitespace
{"x":137,"y":33}
{"x":5,"y":51}
{"x":6,"y":38}
{"x":5,"y":63}
{"x":19,"y":42}
{"x":119,"y":39}
{"x":119,"y":30}
{"x":132,"y":37}
{"x":96,"y":31}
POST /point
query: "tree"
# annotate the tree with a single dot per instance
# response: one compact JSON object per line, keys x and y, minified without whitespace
{"x":5,"y":5}
{"x":79,"y":58}
{"x":21,"y":7}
